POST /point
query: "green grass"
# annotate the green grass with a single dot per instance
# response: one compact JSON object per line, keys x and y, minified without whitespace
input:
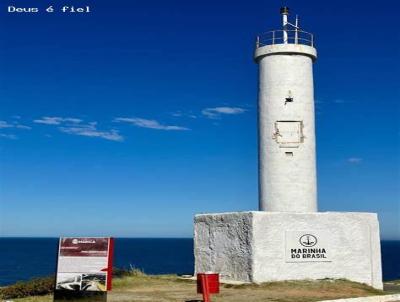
{"x":135,"y":286}
{"x":137,"y":282}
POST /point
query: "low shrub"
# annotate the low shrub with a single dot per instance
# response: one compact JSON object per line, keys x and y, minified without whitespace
{"x":34,"y":287}
{"x":120,"y":272}
{"x":130,"y":272}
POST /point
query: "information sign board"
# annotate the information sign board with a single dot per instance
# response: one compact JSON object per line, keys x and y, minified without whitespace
{"x":85,"y":264}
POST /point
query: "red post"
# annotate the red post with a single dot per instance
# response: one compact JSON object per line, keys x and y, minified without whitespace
{"x":207,"y":284}
{"x":205,"y":288}
{"x":110,"y":263}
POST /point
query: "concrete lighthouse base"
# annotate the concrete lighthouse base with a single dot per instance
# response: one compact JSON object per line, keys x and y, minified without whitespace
{"x":275,"y":246}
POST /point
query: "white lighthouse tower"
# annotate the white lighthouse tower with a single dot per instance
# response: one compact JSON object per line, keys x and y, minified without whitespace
{"x":288,"y":239}
{"x":287,"y":169}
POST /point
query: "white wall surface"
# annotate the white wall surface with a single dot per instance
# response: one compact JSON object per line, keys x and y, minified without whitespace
{"x":287,"y":171}
{"x":251,"y":246}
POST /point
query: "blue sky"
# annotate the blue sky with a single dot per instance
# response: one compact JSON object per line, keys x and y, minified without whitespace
{"x":129,"y":120}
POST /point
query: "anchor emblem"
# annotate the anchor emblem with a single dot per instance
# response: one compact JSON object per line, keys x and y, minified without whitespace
{"x":308,"y":240}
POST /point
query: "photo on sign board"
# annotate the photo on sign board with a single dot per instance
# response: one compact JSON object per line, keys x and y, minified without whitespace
{"x":81,"y":282}
{"x":69,"y":281}
{"x":93,"y":282}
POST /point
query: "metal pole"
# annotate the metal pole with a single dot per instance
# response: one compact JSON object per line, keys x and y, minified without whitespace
{"x":285,"y":13}
{"x":296,"y":33}
{"x":285,"y":34}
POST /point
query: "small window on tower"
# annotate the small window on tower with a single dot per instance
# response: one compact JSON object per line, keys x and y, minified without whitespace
{"x":289,"y":134}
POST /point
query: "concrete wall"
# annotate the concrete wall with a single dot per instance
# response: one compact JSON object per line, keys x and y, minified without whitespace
{"x":352,"y":240}
{"x":253,"y":246}
{"x":223,"y":243}
{"x":287,"y":171}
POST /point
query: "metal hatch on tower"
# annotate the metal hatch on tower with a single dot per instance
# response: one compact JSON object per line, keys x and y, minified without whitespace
{"x":289,"y":134}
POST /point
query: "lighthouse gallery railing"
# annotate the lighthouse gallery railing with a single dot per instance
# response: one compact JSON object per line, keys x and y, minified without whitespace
{"x":285,"y":37}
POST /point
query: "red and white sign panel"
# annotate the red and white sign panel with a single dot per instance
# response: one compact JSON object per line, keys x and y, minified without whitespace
{"x":85,"y":264}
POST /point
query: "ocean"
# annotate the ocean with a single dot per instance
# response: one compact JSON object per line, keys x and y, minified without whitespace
{"x":26,"y":258}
